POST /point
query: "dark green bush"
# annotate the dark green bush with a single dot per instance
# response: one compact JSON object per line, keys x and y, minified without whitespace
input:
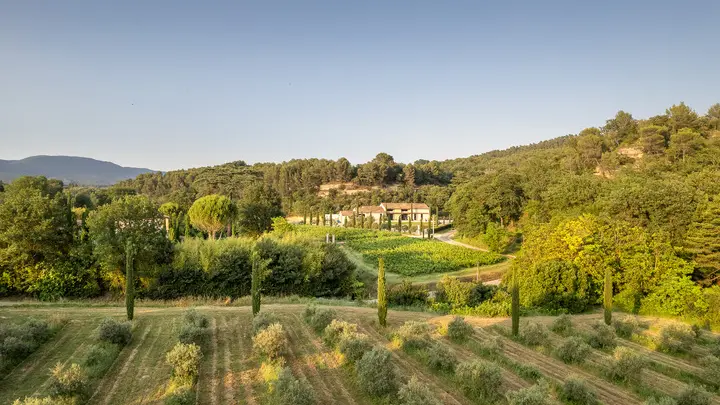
{"x":492,"y":346}
{"x":321,"y":318}
{"x":575,"y":391}
{"x":479,"y":379}
{"x":354,"y":346}
{"x":676,"y":338}
{"x":115,"y":332}
{"x":694,"y":395}
{"x":190,"y":333}
{"x":538,"y":394}
{"x":376,"y":372}
{"x":711,"y":370}
{"x":626,"y":365}
{"x":99,"y":358}
{"x":67,"y":382}
{"x":562,"y":324}
{"x":625,"y":327}
{"x":271,"y":342}
{"x":533,"y":334}
{"x":289,"y":390}
{"x":601,"y":336}
{"x":407,"y":294}
{"x":14,"y":349}
{"x":458,"y":330}
{"x":440,"y":358}
{"x":416,"y":393}
{"x":262,"y":320}
{"x":573,"y":350}
{"x":181,"y":396}
{"x":193,"y":317}
{"x":413,"y":335}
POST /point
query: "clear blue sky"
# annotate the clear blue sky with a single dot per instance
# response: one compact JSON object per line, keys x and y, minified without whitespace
{"x":176,"y":84}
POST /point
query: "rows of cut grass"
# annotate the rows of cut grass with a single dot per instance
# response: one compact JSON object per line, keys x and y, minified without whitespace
{"x":231,"y":372}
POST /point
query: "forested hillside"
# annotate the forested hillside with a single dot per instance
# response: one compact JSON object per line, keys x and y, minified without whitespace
{"x":638,"y":196}
{"x":635,"y":201}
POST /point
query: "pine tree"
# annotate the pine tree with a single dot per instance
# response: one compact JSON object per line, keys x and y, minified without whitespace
{"x":703,"y":241}
{"x":381,"y":294}
{"x":515,"y":309}
{"x":607,"y":296}
{"x":129,"y":280}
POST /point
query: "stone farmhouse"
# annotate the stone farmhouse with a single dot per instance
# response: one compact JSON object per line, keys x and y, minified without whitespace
{"x":417,"y":212}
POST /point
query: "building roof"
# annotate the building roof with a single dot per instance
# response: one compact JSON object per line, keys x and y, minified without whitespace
{"x":371,"y":209}
{"x":405,"y":206}
{"x":347,"y":213}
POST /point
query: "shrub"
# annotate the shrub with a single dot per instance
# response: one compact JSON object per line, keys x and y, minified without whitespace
{"x":625,"y":327}
{"x":406,"y":294}
{"x":694,"y":395}
{"x":492,"y":347}
{"x":115,"y":332}
{"x":562,"y":324}
{"x":193,"y":317}
{"x":573,"y":350}
{"x":68,"y":382}
{"x":271,"y":342}
{"x":459,"y":330}
{"x":354,"y":346}
{"x":288,"y":390}
{"x":184,"y":359}
{"x":190,"y":333}
{"x":181,"y":396}
{"x":309,"y":313}
{"x":335,"y":331}
{"x":528,"y":372}
{"x":99,"y":358}
{"x":711,"y":370}
{"x":676,"y":338}
{"x":660,"y":401}
{"x":413,"y":335}
{"x":376,"y":373}
{"x":322,"y":318}
{"x":440,"y":358}
{"x":601,"y":336}
{"x":715,"y":348}
{"x":538,"y":394}
{"x":36,"y":330}
{"x":625,"y":365}
{"x":533,"y":334}
{"x":15,"y":349}
{"x":479,"y":379}
{"x":576,"y":392}
{"x":262,"y":320}
{"x":416,"y":393}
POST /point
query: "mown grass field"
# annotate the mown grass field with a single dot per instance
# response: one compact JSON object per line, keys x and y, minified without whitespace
{"x":230,"y":371}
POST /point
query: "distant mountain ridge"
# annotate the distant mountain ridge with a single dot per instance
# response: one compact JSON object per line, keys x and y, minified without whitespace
{"x":69,"y":169}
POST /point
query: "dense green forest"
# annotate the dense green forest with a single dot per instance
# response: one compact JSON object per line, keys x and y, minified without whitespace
{"x":640,"y":197}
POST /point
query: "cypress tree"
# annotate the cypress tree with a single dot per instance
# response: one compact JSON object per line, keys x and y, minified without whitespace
{"x":437,"y":218}
{"x":129,"y":281}
{"x":381,"y":294}
{"x":422,"y":233}
{"x":389,"y":222}
{"x":515,"y":309}
{"x":255,"y":282}
{"x":318,"y":219}
{"x":304,"y":218}
{"x":345,"y":223}
{"x":607,"y":296}
{"x":187,"y":226}
{"x":400,"y":223}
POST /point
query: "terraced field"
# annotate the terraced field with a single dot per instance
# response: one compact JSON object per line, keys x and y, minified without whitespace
{"x":230,"y":370}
